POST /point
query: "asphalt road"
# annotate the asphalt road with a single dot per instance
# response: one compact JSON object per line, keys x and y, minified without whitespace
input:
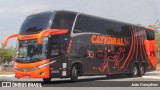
{"x":96,"y":81}
{"x":91,"y":83}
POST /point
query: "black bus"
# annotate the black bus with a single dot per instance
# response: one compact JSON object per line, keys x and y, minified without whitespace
{"x":63,"y":44}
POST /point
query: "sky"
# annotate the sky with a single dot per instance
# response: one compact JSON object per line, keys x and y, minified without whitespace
{"x":13,"y":12}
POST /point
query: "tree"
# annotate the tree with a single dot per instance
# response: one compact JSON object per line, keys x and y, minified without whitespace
{"x":7,"y":54}
{"x":158,"y":45}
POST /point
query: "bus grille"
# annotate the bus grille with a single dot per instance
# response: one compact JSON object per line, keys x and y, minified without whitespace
{"x":26,"y":69}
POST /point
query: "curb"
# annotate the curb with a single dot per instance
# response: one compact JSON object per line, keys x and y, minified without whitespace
{"x":157,"y":72}
{"x":12,"y":75}
{"x":151,"y":77}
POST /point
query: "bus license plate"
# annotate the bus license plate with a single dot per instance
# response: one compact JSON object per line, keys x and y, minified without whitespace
{"x":26,"y":76}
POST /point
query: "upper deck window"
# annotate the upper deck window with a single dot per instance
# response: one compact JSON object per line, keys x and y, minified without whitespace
{"x":63,"y":20}
{"x":150,"y":34}
{"x":36,"y":23}
{"x":90,"y":24}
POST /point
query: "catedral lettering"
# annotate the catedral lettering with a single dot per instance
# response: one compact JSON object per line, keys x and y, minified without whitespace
{"x":100,"y":39}
{"x":65,"y":44}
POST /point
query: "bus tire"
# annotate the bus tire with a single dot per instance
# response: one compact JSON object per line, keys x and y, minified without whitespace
{"x":46,"y":80}
{"x":135,"y":71}
{"x":74,"y":73}
{"x":141,"y":70}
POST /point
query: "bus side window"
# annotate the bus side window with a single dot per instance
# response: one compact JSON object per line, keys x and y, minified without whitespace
{"x":54,"y":49}
{"x":84,"y":24}
{"x":63,"y":20}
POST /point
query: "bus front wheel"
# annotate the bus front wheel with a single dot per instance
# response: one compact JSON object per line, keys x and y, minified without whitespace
{"x":74,"y":73}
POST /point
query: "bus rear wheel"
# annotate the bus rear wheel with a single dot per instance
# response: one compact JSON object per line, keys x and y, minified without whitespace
{"x":135,"y":71}
{"x":141,"y":70}
{"x":46,"y":80}
{"x":74,"y":73}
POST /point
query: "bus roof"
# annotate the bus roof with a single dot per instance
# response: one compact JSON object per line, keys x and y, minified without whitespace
{"x":66,"y":11}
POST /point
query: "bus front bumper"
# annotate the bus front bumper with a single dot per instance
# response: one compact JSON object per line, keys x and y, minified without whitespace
{"x":38,"y":73}
{"x":38,"y":69}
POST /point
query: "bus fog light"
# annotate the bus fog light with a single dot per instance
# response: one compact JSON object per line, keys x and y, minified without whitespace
{"x":41,"y":73}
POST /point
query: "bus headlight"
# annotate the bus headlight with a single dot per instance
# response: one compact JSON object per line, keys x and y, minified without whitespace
{"x":44,"y":65}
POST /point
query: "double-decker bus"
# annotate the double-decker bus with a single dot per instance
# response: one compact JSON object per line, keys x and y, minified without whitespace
{"x":66,"y":44}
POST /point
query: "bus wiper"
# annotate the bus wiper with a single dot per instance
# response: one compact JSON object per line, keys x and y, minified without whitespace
{"x":21,"y":58}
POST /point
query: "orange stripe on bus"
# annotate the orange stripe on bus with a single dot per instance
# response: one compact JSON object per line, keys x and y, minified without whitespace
{"x":27,"y":37}
{"x":7,"y":38}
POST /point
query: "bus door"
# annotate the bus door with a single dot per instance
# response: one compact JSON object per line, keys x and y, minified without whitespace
{"x":58,"y":48}
{"x":54,"y":46}
{"x":55,"y":54}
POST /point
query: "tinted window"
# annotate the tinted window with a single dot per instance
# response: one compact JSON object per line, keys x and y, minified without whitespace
{"x":36,"y":23}
{"x":54,"y":46}
{"x":63,"y":20}
{"x":84,"y":24}
{"x":150,"y":34}
{"x":99,"y":25}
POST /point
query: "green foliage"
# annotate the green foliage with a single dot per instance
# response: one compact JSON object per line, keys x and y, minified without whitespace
{"x":7,"y":54}
{"x":157,"y":34}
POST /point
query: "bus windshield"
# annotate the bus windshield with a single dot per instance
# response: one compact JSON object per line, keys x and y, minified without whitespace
{"x":36,"y":23}
{"x":29,"y":50}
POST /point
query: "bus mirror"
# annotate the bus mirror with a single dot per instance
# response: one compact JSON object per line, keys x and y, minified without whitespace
{"x":7,"y":38}
{"x":50,"y":32}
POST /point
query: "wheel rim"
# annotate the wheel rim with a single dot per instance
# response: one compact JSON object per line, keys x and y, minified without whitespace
{"x":142,"y":70}
{"x":135,"y":71}
{"x":76,"y":72}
